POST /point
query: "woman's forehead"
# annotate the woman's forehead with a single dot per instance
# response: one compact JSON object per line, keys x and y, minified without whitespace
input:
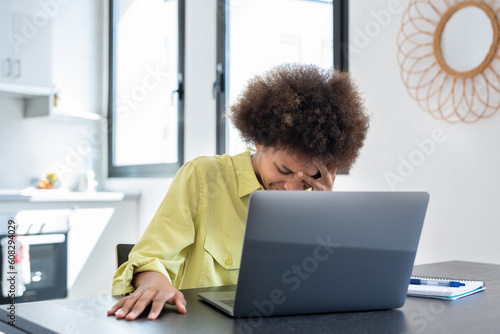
{"x":295,"y":162}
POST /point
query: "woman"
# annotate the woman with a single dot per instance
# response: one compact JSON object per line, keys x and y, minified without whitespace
{"x":305,"y":124}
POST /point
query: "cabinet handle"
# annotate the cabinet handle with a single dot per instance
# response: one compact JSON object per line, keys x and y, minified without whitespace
{"x":9,"y":67}
{"x":19,"y":69}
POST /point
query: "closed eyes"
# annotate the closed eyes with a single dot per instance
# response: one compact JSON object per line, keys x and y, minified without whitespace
{"x":288,"y":172}
{"x":284,"y":172}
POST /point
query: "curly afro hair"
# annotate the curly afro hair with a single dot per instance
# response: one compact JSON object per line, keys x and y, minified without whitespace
{"x":305,"y":110}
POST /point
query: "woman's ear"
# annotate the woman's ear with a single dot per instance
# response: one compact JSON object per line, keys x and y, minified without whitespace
{"x":258,"y":148}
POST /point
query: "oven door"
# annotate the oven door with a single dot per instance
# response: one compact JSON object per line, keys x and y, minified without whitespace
{"x":48,"y":268}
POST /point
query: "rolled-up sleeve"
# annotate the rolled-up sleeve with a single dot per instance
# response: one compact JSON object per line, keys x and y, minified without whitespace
{"x":164,"y":246}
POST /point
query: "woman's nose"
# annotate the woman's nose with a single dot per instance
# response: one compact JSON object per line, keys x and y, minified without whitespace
{"x":295,"y":184}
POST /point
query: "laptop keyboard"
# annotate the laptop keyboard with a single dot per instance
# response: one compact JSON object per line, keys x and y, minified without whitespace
{"x":229,"y":302}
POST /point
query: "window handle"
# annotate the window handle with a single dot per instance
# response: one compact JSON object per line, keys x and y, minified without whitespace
{"x":218,"y":86}
{"x":180,"y":89}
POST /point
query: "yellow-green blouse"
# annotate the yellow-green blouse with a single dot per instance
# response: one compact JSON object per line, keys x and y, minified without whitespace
{"x":196,"y":236}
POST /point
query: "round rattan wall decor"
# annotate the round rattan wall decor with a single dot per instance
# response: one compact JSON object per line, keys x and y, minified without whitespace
{"x":443,"y":90}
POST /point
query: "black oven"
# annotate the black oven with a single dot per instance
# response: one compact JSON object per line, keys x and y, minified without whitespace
{"x":44,"y":234}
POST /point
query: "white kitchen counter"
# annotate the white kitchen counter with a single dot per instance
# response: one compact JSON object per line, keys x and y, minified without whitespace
{"x":57,"y":195}
{"x":99,"y":221}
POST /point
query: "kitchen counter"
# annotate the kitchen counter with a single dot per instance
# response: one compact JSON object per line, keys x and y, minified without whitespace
{"x":57,"y":195}
{"x":98,"y":222}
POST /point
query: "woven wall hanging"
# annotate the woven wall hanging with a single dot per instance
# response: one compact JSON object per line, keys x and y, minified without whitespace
{"x":448,"y":93}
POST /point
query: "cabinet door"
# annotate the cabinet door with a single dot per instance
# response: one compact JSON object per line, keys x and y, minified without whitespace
{"x":6,"y":61}
{"x":32,"y":26}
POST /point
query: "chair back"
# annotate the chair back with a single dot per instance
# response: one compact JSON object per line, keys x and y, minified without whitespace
{"x":122,"y":251}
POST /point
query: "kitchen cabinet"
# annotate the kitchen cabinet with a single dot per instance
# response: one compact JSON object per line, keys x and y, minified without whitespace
{"x":39,"y":45}
{"x":5,"y":48}
{"x":25,"y":44}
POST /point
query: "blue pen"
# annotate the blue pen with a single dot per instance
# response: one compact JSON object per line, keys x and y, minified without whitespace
{"x":418,"y":281}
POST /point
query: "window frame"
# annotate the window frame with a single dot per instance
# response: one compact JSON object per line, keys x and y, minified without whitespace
{"x":145,"y":170}
{"x":340,"y":59}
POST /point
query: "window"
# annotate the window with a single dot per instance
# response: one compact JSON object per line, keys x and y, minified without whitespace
{"x":145,"y":109}
{"x":256,"y":35}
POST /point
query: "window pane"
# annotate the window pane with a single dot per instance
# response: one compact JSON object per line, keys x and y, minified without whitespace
{"x":266,"y":33}
{"x":145,"y":128}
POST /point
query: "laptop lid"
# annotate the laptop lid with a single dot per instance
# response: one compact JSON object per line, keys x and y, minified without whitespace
{"x":316,"y":252}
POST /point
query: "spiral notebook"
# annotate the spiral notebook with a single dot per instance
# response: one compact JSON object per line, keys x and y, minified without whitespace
{"x":445,"y":292}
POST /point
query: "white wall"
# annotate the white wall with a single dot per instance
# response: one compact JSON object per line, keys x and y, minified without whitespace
{"x":460,"y":173}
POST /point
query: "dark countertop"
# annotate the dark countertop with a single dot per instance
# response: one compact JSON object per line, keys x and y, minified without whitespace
{"x":476,"y":313}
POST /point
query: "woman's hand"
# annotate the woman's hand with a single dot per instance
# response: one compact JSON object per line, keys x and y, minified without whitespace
{"x":325,"y":181}
{"x":150,"y":287}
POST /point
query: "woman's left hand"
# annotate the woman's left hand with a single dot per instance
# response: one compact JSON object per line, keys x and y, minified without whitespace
{"x":324,"y":182}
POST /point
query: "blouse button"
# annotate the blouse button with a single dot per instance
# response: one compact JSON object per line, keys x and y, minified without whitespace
{"x":229,"y":262}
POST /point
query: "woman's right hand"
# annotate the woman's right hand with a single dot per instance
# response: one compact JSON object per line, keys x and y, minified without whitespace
{"x":150,"y":286}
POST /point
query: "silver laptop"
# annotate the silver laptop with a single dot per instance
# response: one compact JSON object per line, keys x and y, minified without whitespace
{"x":319,"y":252}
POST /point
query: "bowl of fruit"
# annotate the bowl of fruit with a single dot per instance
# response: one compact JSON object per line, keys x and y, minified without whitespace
{"x":50,"y":182}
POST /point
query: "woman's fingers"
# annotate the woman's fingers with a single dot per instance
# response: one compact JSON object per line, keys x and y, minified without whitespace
{"x":180,"y":302}
{"x":135,"y":308}
{"x":117,"y":306}
{"x":132,"y":306}
{"x":156,"y":308}
{"x":326,"y":179}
